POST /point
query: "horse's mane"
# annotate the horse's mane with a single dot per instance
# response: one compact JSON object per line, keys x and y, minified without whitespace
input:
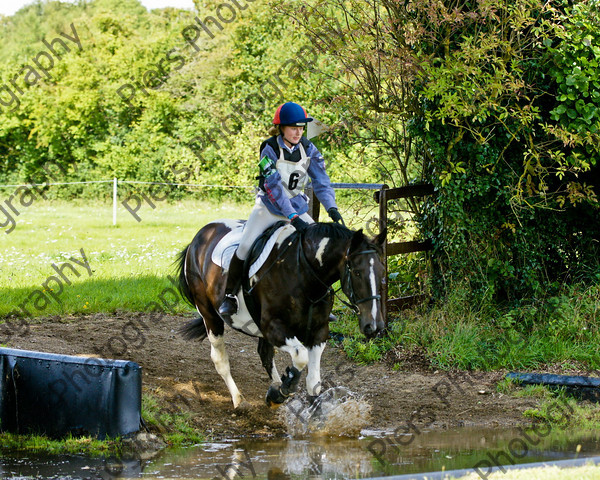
{"x":328,"y":229}
{"x":317,"y":231}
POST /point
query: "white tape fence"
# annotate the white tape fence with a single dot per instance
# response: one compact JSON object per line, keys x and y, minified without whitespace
{"x":115,"y":183}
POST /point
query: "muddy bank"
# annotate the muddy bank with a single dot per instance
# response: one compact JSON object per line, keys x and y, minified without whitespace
{"x":182,"y":375}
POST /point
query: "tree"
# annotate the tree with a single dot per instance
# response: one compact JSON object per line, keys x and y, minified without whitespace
{"x":483,"y":100}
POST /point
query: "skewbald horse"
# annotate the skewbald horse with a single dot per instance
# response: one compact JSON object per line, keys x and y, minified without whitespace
{"x":287,"y":302}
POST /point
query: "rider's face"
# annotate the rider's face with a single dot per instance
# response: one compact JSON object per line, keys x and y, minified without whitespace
{"x":292,"y":134}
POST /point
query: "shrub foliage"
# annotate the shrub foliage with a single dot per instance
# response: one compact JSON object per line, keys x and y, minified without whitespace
{"x":498,"y":105}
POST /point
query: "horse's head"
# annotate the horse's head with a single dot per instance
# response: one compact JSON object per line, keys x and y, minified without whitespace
{"x":362,"y":280}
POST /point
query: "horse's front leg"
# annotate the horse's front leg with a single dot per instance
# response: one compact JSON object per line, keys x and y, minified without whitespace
{"x":289,"y":381}
{"x":313,"y":377}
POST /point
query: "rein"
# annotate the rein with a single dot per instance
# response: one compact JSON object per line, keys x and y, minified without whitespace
{"x":347,"y":280}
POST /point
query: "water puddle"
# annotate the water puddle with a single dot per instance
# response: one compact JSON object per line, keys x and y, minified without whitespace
{"x":375,"y":453}
{"x":327,"y":440}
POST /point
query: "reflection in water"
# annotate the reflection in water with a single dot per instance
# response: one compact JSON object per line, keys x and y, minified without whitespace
{"x":277,"y":458}
{"x":320,"y":458}
{"x":313,"y":457}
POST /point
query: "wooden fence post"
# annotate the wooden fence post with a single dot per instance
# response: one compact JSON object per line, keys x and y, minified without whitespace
{"x":314,"y":206}
{"x":381,"y":198}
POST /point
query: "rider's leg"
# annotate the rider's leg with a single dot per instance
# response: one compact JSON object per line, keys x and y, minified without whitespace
{"x":259,"y":220}
{"x":234,"y":281}
{"x":307,"y":218}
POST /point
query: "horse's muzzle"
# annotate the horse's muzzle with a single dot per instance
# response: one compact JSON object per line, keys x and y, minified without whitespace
{"x":369,"y":331}
{"x":373,"y":329}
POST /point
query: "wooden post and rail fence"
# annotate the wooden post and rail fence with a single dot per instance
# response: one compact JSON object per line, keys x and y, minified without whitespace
{"x":382,"y":195}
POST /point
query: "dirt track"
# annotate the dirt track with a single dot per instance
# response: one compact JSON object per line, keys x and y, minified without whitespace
{"x":182,"y":373}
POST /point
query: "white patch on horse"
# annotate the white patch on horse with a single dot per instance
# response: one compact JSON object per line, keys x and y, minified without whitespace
{"x":373,"y":289}
{"x":187,"y":252}
{"x":242,"y":320}
{"x":219,"y":356}
{"x":297,"y":351}
{"x":313,"y":378}
{"x":229,"y":222}
{"x":321,"y":250}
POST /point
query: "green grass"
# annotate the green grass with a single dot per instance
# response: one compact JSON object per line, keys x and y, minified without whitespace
{"x":558,"y":330}
{"x":566,"y":412}
{"x":129,"y":262}
{"x":588,"y":472}
{"x":582,"y":416}
{"x":175,"y":427}
{"x":70,"y":445}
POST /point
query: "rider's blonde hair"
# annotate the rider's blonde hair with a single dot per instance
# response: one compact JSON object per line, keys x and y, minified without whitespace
{"x":274,"y":130}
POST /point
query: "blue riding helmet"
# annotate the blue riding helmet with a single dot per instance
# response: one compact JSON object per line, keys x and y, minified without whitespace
{"x":291,"y":113}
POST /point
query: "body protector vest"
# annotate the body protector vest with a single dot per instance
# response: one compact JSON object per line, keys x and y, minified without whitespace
{"x":292,"y":166}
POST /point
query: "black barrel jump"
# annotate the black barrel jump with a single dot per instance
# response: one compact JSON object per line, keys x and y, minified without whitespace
{"x":56,"y":395}
{"x":587,"y":388}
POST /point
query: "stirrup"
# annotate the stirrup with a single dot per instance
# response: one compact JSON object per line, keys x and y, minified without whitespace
{"x":229,"y":305}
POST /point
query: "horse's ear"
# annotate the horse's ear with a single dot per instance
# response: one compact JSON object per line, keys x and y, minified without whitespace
{"x":357,"y":239}
{"x":380,"y":239}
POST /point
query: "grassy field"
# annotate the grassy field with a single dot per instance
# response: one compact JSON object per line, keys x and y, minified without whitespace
{"x":67,"y":258}
{"x":98,"y":267}
{"x":588,"y":472}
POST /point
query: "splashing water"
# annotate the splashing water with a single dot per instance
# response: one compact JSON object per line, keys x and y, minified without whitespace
{"x":336,"y":412}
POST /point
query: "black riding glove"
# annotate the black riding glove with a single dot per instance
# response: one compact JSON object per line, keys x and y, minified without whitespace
{"x":334,"y":214}
{"x":299,"y":224}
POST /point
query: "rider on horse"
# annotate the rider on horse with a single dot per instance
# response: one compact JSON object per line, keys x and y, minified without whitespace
{"x":288,"y":162}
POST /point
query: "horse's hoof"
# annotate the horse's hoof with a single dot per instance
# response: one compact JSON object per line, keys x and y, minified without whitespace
{"x":289,"y":381}
{"x":273,"y":405}
{"x":274,"y":397}
{"x":244,"y":406}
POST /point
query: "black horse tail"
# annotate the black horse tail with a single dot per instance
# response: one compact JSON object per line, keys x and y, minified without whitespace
{"x":182,"y":283}
{"x":194,"y":328}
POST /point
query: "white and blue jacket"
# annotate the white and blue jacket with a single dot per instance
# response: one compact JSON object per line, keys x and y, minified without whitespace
{"x":283,"y":192}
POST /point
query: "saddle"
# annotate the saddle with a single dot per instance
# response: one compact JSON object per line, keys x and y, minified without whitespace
{"x":259,"y":252}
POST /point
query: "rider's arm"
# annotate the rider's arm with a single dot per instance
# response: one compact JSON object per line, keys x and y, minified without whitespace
{"x":274,"y":189}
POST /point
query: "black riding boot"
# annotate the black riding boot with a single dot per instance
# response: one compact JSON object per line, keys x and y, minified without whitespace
{"x":229,"y":305}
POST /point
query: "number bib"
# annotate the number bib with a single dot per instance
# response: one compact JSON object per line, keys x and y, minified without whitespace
{"x":294,"y":175}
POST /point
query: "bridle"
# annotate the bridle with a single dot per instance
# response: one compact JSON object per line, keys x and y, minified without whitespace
{"x":346,"y":281}
{"x":348,"y":287}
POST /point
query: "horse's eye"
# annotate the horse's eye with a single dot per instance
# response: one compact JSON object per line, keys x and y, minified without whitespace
{"x":357,"y":274}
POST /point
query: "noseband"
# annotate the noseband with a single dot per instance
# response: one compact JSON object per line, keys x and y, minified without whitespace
{"x":347,"y":280}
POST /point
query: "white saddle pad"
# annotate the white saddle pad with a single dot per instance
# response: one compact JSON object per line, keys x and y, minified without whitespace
{"x":225,"y":249}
